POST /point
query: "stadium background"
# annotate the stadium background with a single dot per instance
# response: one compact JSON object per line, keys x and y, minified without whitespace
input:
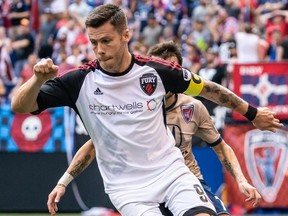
{"x":35,"y":151}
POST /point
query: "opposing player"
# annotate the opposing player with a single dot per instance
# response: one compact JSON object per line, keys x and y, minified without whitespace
{"x":121,"y":105}
{"x":187,"y":117}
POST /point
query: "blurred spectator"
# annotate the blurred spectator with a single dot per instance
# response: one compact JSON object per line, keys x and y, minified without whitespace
{"x":179,"y":9}
{"x":233,"y":9}
{"x":35,"y":15}
{"x":79,"y":8}
{"x":2,"y":91}
{"x":26,"y":73}
{"x":76,"y":56}
{"x":144,"y":7}
{"x":192,"y":57}
{"x":211,"y":70}
{"x":23,"y":46}
{"x":64,"y":66}
{"x":233,"y":59}
{"x":137,"y":47}
{"x":276,"y":19}
{"x":285,"y":48}
{"x":158,"y":9}
{"x":5,"y":10}
{"x":263,"y":44}
{"x":6,"y":68}
{"x":224,"y":47}
{"x":275,"y":49}
{"x":201,"y":10}
{"x":62,"y":20}
{"x":95,"y":3}
{"x":267,"y":6}
{"x":230,"y":23}
{"x":55,"y":6}
{"x":18,"y":11}
{"x":82,"y":42}
{"x":184,"y":29}
{"x":70,"y":30}
{"x":200,"y":34}
{"x":168,"y":26}
{"x":46,"y":35}
{"x":223,"y":24}
{"x":4,"y":40}
{"x":152,"y":32}
{"x":248,"y":46}
{"x":247,"y":8}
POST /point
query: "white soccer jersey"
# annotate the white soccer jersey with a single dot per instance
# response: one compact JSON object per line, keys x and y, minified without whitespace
{"x":124,"y":116}
{"x":186,"y":117}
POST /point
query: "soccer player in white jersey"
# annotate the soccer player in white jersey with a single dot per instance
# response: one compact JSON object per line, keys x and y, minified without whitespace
{"x":186,"y":117}
{"x":121,"y":105}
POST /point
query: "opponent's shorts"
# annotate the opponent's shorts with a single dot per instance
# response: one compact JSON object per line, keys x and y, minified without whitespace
{"x":177,"y":187}
{"x":218,"y":204}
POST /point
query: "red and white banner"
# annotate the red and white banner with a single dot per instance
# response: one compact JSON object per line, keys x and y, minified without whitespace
{"x":264,"y":85}
{"x":263,"y":157}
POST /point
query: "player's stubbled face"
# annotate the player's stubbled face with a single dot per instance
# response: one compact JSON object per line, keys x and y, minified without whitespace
{"x":108,"y":46}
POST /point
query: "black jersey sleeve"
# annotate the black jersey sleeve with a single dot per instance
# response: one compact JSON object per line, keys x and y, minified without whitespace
{"x":177,"y":79}
{"x":61,"y":91}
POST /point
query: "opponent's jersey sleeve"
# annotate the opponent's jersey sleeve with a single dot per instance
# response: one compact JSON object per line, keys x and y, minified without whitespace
{"x":206,"y":129}
{"x":61,"y":91}
{"x":175,"y":78}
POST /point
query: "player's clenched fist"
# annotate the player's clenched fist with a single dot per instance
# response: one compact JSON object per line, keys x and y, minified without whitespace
{"x":45,"y":69}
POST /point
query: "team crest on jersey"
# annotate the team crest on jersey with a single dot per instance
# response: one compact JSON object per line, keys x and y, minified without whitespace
{"x":187,"y":112}
{"x":266,"y":158}
{"x":148,"y":83}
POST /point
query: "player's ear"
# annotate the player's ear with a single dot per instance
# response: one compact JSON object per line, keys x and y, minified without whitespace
{"x":126,"y":35}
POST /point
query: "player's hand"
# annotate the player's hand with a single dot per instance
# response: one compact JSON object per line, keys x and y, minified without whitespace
{"x":251,"y":193}
{"x":265,"y":120}
{"x":45,"y":69}
{"x":54,"y":198}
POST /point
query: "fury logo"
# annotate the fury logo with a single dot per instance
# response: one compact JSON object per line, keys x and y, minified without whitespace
{"x":148,"y":83}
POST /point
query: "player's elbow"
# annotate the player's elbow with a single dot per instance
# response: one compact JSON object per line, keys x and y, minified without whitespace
{"x":17,"y":107}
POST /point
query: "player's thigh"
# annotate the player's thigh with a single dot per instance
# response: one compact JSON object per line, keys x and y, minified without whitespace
{"x":187,"y":194}
{"x":140,"y":209}
{"x":217,"y":202}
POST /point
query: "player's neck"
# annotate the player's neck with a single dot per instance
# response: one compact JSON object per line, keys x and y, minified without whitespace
{"x":170,"y":101}
{"x":125,"y":65}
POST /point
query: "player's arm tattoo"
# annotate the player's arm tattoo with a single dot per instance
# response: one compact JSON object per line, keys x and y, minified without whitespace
{"x":233,"y":167}
{"x":221,"y":95}
{"x":229,"y":160}
{"x":228,"y":167}
{"x":80,"y":166}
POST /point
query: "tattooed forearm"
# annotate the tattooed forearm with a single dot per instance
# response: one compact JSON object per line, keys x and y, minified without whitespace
{"x":80,"y":166}
{"x":228,"y":167}
{"x":222,"y":96}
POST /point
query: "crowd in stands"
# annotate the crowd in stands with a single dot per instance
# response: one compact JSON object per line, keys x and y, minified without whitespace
{"x":213,"y":35}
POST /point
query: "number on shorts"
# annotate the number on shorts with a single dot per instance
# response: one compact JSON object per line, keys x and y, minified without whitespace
{"x":201,"y":193}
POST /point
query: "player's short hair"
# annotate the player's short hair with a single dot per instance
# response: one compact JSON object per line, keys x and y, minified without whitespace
{"x":166,"y":50}
{"x":107,"y":13}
